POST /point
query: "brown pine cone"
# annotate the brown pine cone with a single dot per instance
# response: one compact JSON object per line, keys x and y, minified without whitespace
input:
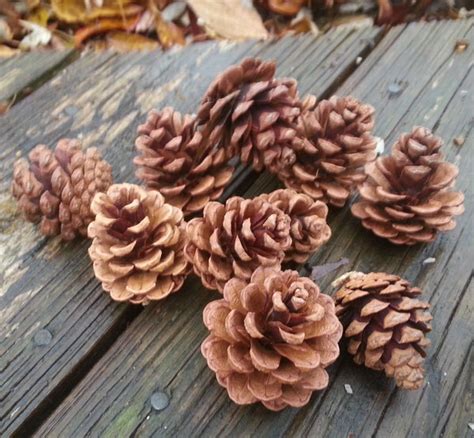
{"x":248,"y":111}
{"x":234,"y":239}
{"x":137,"y":246}
{"x":56,"y":188}
{"x":175,"y":160}
{"x":386,"y":324}
{"x":407,"y":197}
{"x":333,"y":145}
{"x":308,"y":228}
{"x":271,"y":339}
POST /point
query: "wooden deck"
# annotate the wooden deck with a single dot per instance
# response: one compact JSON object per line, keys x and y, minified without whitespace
{"x":97,"y":373}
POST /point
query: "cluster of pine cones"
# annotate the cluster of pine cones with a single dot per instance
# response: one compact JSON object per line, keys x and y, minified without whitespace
{"x":272,"y":333}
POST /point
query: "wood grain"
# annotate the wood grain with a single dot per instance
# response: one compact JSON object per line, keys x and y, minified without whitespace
{"x":21,"y":74}
{"x":101,"y":99}
{"x":160,"y":349}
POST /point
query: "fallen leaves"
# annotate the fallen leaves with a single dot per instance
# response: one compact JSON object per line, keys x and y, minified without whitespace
{"x":37,"y":36}
{"x":102,"y":26}
{"x":169,"y":33}
{"x":76,"y":11}
{"x":126,"y":42}
{"x":285,"y":7}
{"x":232,"y":19}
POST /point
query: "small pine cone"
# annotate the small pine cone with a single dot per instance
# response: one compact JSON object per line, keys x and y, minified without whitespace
{"x":407,"y":197}
{"x":175,"y":160}
{"x":56,"y":188}
{"x":137,"y":246}
{"x":234,"y":239}
{"x":308,"y":229}
{"x":333,"y":145}
{"x":386,"y":325}
{"x":250,"y":112}
{"x":271,"y":339}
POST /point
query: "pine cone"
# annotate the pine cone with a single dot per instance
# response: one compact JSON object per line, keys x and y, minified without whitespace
{"x":250,"y":112}
{"x":137,"y":247}
{"x":234,"y":239}
{"x":308,"y":229}
{"x":407,"y":198}
{"x":176,"y":161}
{"x":386,"y":325}
{"x":271,"y":339}
{"x":333,"y":145}
{"x":56,"y":188}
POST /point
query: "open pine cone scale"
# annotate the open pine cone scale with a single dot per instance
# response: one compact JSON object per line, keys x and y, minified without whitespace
{"x":137,"y":246}
{"x":234,"y":238}
{"x":178,"y":161}
{"x":247,"y":111}
{"x":333,"y":144}
{"x":386,"y":324}
{"x":271,"y":339}
{"x":407,"y":197}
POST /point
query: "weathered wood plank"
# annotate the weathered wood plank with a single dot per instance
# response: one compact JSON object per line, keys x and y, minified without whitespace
{"x":110,"y":97}
{"x":20,"y":74}
{"x":178,"y":309}
{"x":160,"y":349}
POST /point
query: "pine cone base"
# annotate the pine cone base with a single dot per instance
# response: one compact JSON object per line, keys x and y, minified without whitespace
{"x":385,"y":324}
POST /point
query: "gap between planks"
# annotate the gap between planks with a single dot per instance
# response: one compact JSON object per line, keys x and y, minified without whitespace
{"x":21,"y":75}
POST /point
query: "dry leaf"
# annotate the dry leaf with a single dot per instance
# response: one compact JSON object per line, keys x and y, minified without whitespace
{"x":6,"y":52}
{"x":168,"y":33}
{"x":303,"y":23}
{"x":173,"y":11}
{"x":102,"y":26}
{"x":32,"y":4}
{"x":229,"y":19}
{"x":38,"y":36}
{"x":75,"y":11}
{"x":39,"y":16}
{"x":285,"y":7}
{"x":126,"y":42}
{"x":6,"y":33}
{"x":146,"y":22}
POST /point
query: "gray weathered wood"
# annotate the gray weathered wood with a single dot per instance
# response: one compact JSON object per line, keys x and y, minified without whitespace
{"x":160,"y":349}
{"x":109,"y":96}
{"x":22,"y":73}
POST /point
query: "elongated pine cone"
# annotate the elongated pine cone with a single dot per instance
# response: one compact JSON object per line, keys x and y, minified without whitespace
{"x":407,"y":197}
{"x":56,"y":188}
{"x":175,"y":160}
{"x":234,"y":239}
{"x":308,"y":227}
{"x":333,"y":145}
{"x":386,"y":325}
{"x":250,"y":112}
{"x":271,"y":339}
{"x":137,"y":246}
